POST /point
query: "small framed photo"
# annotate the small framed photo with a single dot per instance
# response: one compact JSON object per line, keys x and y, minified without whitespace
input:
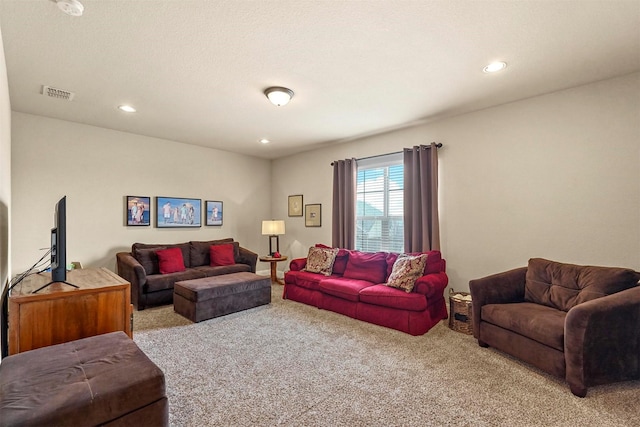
{"x":178,"y":212}
{"x":313,"y":215}
{"x":295,"y":205}
{"x":213,"y":211}
{"x":137,"y":210}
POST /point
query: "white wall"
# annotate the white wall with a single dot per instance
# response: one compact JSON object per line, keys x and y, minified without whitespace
{"x":5,"y":171}
{"x":553,"y":176}
{"x":97,"y":168}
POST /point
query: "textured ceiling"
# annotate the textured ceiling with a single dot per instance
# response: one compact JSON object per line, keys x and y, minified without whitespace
{"x":196,"y":70}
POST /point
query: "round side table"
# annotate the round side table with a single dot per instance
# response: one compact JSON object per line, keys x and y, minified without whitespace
{"x":274,"y":267}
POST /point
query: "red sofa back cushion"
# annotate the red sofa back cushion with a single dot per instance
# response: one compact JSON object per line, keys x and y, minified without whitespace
{"x":367,"y":266}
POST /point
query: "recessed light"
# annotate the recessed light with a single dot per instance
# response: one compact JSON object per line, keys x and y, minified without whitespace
{"x":70,"y":7}
{"x":127,"y":108}
{"x":264,"y":141}
{"x":494,"y":67}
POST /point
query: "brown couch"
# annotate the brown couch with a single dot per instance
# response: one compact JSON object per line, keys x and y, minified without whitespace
{"x":149,"y":287}
{"x":581,"y":323}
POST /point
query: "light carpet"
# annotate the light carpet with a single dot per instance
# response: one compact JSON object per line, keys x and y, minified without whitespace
{"x":294,"y":365}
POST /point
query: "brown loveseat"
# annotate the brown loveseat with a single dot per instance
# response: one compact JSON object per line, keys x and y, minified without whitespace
{"x":149,"y":287}
{"x":580,"y":323}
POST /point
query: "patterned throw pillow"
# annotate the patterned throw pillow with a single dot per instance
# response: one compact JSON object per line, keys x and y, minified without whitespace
{"x":406,"y":270}
{"x":320,"y":260}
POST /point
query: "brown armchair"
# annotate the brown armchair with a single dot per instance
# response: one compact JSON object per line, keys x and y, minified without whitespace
{"x":581,"y":323}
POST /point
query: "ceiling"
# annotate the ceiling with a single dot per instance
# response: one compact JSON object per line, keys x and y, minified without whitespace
{"x":196,"y":70}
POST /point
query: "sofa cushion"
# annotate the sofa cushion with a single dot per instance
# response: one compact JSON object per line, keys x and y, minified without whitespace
{"x":221,"y":255}
{"x":341,"y":287}
{"x":306,"y":280}
{"x":148,"y":259}
{"x":184,"y":247}
{"x":406,"y":271}
{"x":435,"y":264}
{"x":563,"y":286}
{"x":340,"y":262}
{"x":371,"y":267}
{"x":161,"y":282}
{"x":199,"y":250}
{"x":320,"y":260}
{"x":170,"y":260}
{"x":537,"y":322}
{"x":395,"y":298}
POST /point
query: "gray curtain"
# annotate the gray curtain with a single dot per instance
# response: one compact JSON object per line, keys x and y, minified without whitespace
{"x":421,"y":223}
{"x":343,"y":234}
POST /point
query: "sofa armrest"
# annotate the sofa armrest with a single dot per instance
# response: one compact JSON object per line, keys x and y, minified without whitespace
{"x":248,"y":257}
{"x":297,"y":264}
{"x":432,"y":285}
{"x":501,"y":288}
{"x":602,"y":340}
{"x":133,"y":272}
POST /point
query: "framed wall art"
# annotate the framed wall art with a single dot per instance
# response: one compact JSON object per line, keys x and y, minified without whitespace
{"x":178,"y":212}
{"x":313,"y":215}
{"x":138,"y":210}
{"x":213,"y":211}
{"x":295,"y":205}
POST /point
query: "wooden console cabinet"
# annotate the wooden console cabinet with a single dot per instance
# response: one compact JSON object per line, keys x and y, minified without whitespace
{"x":61,"y":313}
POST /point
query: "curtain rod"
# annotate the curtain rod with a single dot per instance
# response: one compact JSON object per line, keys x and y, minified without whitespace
{"x":438,"y":145}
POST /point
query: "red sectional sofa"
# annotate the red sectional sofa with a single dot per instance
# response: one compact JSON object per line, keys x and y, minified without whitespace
{"x":356,"y":288}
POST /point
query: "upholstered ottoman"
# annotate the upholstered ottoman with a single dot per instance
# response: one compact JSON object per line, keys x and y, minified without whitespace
{"x":100,"y":380}
{"x":209,"y":297}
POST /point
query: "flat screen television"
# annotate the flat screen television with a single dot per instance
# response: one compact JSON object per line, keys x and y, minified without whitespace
{"x":59,"y":243}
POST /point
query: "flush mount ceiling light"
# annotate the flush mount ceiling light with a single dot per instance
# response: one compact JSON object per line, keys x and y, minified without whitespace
{"x":126,"y":108}
{"x":70,"y":7}
{"x":264,"y":141}
{"x":494,"y":67}
{"x":279,"y":95}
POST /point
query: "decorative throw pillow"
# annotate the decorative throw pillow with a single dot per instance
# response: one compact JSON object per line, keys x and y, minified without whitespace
{"x":406,"y":271}
{"x":320,"y":260}
{"x":170,"y":260}
{"x":340,"y":263}
{"x":222,"y":255}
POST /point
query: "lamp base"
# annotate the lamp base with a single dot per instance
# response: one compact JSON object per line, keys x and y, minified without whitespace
{"x":271,"y":251}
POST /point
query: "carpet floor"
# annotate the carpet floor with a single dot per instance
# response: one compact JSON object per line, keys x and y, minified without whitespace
{"x":291,"y":364}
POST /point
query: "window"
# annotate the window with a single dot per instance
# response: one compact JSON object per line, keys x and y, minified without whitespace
{"x":379,"y":204}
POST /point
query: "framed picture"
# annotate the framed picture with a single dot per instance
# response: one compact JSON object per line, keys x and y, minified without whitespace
{"x":313,"y":215}
{"x":213,"y":211}
{"x":178,"y":212}
{"x":295,"y":205}
{"x":137,"y":210}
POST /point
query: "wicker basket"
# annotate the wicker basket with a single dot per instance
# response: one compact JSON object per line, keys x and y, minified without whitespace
{"x":460,"y":318}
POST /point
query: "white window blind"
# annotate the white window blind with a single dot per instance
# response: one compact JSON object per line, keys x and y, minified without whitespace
{"x":379,"y":204}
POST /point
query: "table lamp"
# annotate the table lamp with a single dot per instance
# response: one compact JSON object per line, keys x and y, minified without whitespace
{"x":273,"y":229}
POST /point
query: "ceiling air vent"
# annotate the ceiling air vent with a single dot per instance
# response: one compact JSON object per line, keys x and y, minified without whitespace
{"x":53,"y":92}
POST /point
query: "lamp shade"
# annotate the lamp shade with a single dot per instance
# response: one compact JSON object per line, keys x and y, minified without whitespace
{"x":273,"y":227}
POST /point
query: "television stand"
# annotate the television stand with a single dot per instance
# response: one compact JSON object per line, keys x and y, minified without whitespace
{"x":99,"y":302}
{"x":51,"y":283}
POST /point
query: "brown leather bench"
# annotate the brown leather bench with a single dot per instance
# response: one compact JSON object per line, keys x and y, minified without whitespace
{"x":100,"y":380}
{"x":209,"y":297}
